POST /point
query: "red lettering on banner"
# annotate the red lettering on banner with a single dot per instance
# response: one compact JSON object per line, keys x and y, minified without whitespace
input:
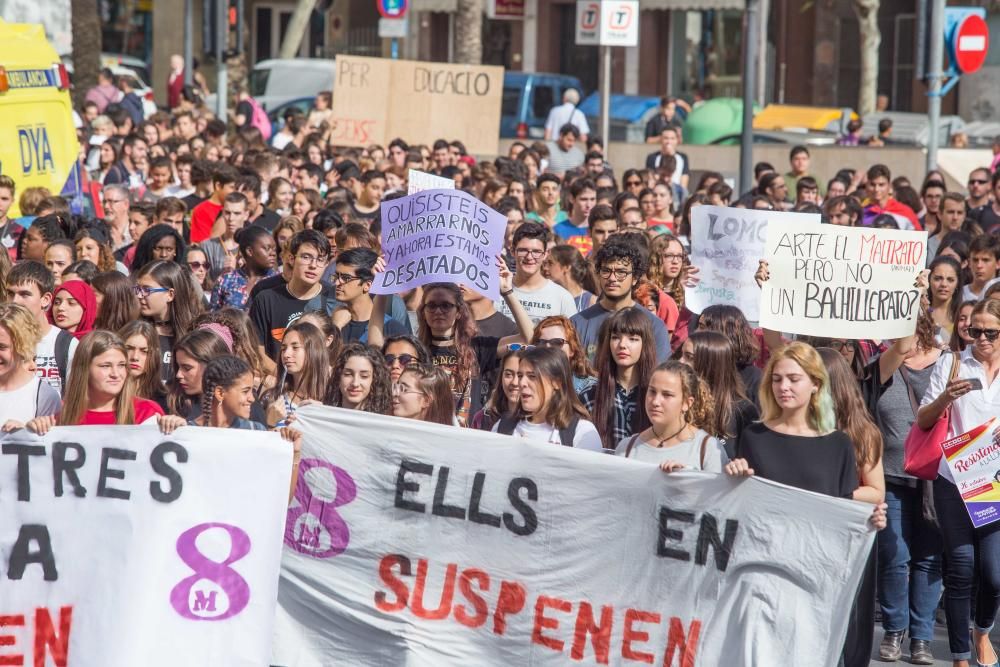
{"x":47,"y":639}
{"x":398,"y":587}
{"x":46,"y":636}
{"x":600,"y":632}
{"x":482,"y":610}
{"x":10,"y":621}
{"x":688,"y":645}
{"x":511,"y":601}
{"x":544,"y":623}
{"x":630,"y":634}
{"x":447,"y":593}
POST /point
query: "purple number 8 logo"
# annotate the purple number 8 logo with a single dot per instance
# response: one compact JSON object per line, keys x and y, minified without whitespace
{"x":313,"y":527}
{"x":204,"y":602}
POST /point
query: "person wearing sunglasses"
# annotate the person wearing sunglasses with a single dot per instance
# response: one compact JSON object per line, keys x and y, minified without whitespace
{"x":352,"y":282}
{"x":402,"y":350}
{"x":557,"y":332}
{"x":971,"y":554}
{"x":201,"y":270}
{"x":448,"y":329}
{"x":979,"y":192}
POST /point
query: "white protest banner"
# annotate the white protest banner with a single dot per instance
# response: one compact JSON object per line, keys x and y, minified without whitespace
{"x":727,"y":244}
{"x":842,"y":282}
{"x":121,"y":546}
{"x":440,"y":236}
{"x":418,"y":181}
{"x":417,"y":544}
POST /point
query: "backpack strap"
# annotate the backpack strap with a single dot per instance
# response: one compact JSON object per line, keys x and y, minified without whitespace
{"x":630,"y":445}
{"x":567,"y":434}
{"x":704,"y":444}
{"x":63,"y":340}
{"x":506,"y":425}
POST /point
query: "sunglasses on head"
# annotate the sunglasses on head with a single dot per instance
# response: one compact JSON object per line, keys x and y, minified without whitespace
{"x":991,"y":334}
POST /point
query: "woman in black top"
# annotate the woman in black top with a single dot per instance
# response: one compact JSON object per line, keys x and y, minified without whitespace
{"x":795,"y":442}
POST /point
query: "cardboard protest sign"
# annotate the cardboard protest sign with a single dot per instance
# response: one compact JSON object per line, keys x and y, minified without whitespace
{"x":121,"y":546}
{"x":974,"y":460}
{"x":377,"y":99}
{"x":727,"y":245}
{"x":410,"y":543}
{"x":842,"y":282}
{"x":440,"y":236}
{"x":418,"y":181}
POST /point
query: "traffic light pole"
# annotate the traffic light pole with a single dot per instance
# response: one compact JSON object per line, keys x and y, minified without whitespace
{"x":750,"y":45}
{"x":221,"y":42}
{"x":934,"y":77}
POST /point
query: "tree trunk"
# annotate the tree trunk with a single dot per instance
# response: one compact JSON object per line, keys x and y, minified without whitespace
{"x":871,"y":39}
{"x":468,"y":32}
{"x":296,"y":30}
{"x":86,"y":29}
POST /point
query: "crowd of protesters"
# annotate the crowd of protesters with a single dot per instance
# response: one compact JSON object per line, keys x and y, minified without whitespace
{"x":226,"y":281}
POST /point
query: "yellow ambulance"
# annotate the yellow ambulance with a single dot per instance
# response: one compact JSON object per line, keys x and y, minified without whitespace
{"x":38,"y":145}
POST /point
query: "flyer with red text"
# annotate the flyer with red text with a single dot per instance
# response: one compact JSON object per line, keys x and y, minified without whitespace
{"x":974,"y":459}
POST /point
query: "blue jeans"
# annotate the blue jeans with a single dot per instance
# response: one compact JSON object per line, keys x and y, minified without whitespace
{"x":970,"y":553}
{"x":909,"y":565}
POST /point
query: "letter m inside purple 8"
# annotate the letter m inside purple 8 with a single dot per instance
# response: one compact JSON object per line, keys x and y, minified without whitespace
{"x":313,"y":526}
{"x":215,"y":591}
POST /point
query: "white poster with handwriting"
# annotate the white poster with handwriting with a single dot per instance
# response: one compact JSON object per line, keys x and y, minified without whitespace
{"x":727,"y":244}
{"x":842,"y":282}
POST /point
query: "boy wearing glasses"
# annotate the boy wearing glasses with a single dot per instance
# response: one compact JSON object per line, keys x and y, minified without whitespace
{"x":352,"y":282}
{"x":539,"y":296}
{"x":619,"y":264}
{"x":272,"y":310}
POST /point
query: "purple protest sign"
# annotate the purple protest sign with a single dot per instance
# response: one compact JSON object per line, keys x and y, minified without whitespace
{"x":440,"y":236}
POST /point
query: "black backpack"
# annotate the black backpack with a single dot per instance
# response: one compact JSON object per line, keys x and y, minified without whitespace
{"x":63,"y":340}
{"x":566,"y":435}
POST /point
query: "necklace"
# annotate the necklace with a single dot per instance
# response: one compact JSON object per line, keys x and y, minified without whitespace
{"x":440,"y":339}
{"x":669,"y":437}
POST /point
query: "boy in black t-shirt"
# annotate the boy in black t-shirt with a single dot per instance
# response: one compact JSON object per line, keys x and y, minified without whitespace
{"x":273,"y":310}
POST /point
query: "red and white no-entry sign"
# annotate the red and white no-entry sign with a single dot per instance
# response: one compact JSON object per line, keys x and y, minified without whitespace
{"x":969,"y":44}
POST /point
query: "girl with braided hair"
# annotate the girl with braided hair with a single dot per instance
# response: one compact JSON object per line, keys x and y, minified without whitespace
{"x":679,"y":406}
{"x":227,"y":395}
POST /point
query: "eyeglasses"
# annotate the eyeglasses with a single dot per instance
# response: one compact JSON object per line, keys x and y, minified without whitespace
{"x":398,"y":388}
{"x":672,"y":257}
{"x":143,"y":292}
{"x":345,"y":278}
{"x":838,"y":345}
{"x":518,"y":347}
{"x":551,"y":342}
{"x":631,"y":183}
{"x":311,"y":259}
{"x":526,"y":252}
{"x":978,"y":181}
{"x":403,"y":359}
{"x":619,"y":274}
{"x":115,"y":201}
{"x":991,"y":334}
{"x":440,"y":307}
{"x":198,"y":266}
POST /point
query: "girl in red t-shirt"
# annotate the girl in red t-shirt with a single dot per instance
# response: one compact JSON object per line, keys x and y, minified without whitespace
{"x":100,"y":390}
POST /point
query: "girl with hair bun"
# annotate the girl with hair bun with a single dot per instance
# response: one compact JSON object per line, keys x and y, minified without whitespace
{"x":679,"y":406}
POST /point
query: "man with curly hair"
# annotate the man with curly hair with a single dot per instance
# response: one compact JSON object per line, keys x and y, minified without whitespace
{"x":619,"y":264}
